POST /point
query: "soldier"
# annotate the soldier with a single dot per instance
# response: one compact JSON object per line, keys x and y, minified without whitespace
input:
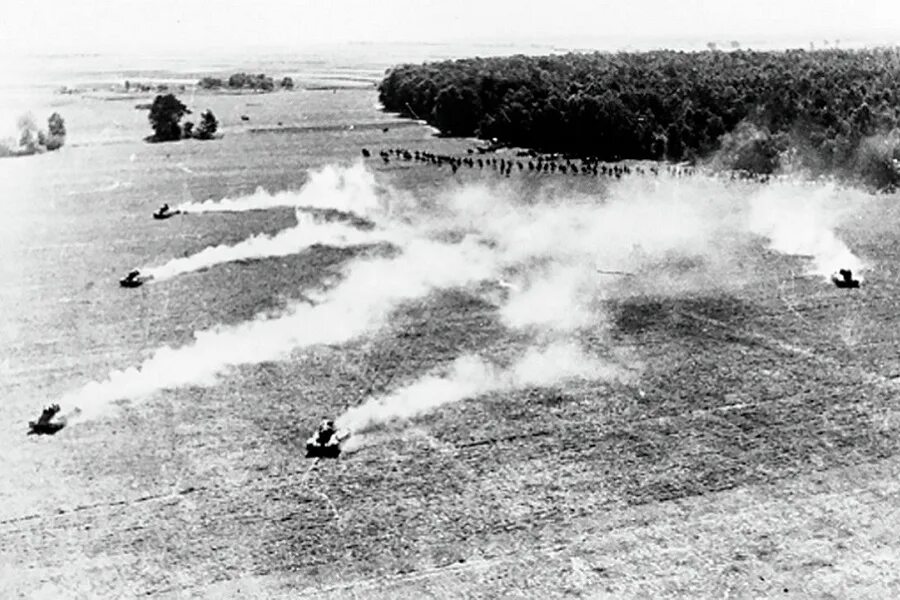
{"x":326,"y":431}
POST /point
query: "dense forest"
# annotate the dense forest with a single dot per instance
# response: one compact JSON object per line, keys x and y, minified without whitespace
{"x":831,"y":111}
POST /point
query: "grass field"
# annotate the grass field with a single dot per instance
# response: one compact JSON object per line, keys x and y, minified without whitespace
{"x":751,"y":453}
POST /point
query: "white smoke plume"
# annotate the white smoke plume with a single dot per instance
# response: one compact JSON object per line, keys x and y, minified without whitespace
{"x":552,"y":253}
{"x":650,"y":235}
{"x":347,"y":189}
{"x":672,"y":235}
{"x":309,"y":231}
{"x":802,"y":221}
{"x":470,"y":376}
{"x":28,"y":139}
{"x":360,"y":303}
{"x":549,"y":254}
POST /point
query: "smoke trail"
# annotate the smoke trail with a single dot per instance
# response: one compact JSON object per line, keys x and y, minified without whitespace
{"x":802,"y":222}
{"x":470,"y":376}
{"x":548,"y":254}
{"x":308,"y":232}
{"x":351,"y":190}
{"x":671,"y":234}
{"x":361,"y":303}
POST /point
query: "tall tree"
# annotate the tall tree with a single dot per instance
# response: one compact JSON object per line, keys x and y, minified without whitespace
{"x":165,"y":117}
{"x":57,"y":132}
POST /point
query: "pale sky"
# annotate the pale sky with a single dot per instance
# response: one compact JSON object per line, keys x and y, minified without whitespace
{"x":152,"y":26}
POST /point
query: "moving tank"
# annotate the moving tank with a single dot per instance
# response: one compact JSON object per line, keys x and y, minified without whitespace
{"x":133,"y":279}
{"x":165,"y":212}
{"x":844,"y":279}
{"x":45,"y":425}
{"x":325,"y":442}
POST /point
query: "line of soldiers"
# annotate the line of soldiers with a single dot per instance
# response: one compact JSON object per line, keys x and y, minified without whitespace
{"x":535,"y":164}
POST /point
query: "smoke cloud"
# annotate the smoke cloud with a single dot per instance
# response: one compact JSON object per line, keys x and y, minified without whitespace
{"x":551,"y":254}
{"x":345,"y":189}
{"x":361,"y":303}
{"x":308,"y":232}
{"x":27,"y":140}
{"x":470,"y":376}
{"x":30,"y":139}
{"x":802,"y":220}
{"x":543,"y":254}
{"x":348,"y":190}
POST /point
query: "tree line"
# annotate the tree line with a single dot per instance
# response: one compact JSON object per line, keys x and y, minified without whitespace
{"x":245,"y":81}
{"x":826,"y":111}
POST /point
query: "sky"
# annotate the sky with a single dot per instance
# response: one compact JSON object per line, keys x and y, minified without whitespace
{"x":167,"y":26}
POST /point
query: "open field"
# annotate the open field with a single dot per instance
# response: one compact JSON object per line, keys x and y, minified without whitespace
{"x":752,"y":453}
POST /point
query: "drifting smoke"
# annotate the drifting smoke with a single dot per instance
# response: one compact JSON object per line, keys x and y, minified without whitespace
{"x":470,"y":376}
{"x":30,"y":139}
{"x":308,"y":232}
{"x":551,"y":252}
{"x":674,"y":236}
{"x":804,"y":223}
{"x":360,"y":303}
{"x":26,"y":141}
{"x":351,"y":190}
{"x":347,"y":190}
{"x":661,"y":236}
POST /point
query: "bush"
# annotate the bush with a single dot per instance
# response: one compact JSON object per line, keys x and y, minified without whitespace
{"x":208,"y":126}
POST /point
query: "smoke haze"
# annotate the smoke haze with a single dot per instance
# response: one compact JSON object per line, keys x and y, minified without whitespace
{"x":308,"y":232}
{"x":345,"y":189}
{"x":470,"y":376}
{"x":542,"y":255}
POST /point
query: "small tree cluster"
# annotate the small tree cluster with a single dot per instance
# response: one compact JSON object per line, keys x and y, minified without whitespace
{"x":210,"y":83}
{"x":245,"y":81}
{"x":240,"y":81}
{"x":165,"y":117}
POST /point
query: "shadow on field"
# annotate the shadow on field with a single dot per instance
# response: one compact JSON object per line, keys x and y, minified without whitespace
{"x":648,"y":314}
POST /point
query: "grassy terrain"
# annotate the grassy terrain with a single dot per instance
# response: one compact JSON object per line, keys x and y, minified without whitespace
{"x":754,"y":456}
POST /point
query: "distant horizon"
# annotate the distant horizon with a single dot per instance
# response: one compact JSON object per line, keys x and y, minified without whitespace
{"x":581,"y":43}
{"x":43,"y":66}
{"x":165,"y":27}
